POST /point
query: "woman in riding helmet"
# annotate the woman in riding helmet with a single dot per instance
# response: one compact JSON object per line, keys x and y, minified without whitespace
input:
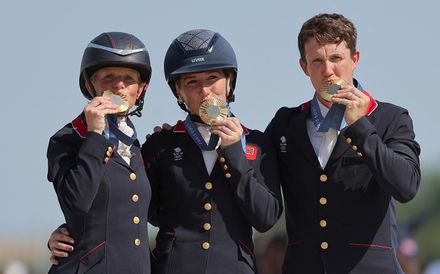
{"x":213,"y":180}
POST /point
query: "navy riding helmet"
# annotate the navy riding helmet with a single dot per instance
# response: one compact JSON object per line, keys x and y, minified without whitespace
{"x":197,"y":51}
{"x":115,"y":49}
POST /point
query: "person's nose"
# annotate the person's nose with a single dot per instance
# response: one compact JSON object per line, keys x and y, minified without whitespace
{"x":328,"y":69}
{"x":205,"y":91}
{"x":118,"y":84}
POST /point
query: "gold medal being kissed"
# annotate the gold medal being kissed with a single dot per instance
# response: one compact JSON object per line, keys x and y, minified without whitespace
{"x":331,"y":87}
{"x":212,"y":108}
{"x":120,"y":100}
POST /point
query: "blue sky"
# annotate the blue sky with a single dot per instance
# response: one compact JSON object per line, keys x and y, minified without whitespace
{"x":43,"y":42}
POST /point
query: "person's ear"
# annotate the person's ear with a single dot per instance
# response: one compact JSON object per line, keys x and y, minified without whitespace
{"x":303,"y":65}
{"x":355,"y":60}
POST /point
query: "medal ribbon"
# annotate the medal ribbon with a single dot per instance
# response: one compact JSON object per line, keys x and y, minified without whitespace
{"x":114,"y":134}
{"x":198,"y":139}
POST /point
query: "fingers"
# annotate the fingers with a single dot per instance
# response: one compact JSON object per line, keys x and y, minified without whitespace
{"x":167,"y":126}
{"x":228,"y":129}
{"x":101,"y":106}
{"x":60,"y":244}
{"x":95,"y":112}
{"x":356,"y":103}
{"x":61,"y":250}
{"x":53,"y":260}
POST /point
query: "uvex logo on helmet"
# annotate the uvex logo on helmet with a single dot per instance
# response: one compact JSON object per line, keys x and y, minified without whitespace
{"x":197,"y":59}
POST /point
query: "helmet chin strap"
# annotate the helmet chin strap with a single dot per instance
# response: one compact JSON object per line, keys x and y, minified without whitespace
{"x":228,"y":89}
{"x":139,"y":104}
{"x":89,"y":83}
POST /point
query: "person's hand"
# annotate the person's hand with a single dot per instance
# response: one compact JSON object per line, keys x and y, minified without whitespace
{"x":165,"y":126}
{"x":229,"y":130}
{"x":60,"y":244}
{"x":95,"y":112}
{"x":356,"y":103}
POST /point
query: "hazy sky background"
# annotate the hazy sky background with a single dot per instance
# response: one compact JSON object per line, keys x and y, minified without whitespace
{"x":43,"y":42}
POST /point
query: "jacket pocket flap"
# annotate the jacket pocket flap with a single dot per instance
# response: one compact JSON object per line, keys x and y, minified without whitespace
{"x":93,"y":255}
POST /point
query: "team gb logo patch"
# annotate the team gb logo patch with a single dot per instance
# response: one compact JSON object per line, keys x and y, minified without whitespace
{"x":283,"y":144}
{"x":178,"y":154}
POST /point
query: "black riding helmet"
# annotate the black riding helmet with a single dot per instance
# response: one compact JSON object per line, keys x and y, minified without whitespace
{"x":197,"y":51}
{"x":115,"y":49}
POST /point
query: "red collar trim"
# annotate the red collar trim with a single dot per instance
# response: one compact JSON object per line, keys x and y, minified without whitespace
{"x":372,"y":105}
{"x":306,"y":105}
{"x":79,"y":125}
{"x":180,"y":128}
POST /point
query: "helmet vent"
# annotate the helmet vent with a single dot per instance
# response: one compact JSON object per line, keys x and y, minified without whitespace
{"x":198,"y":39}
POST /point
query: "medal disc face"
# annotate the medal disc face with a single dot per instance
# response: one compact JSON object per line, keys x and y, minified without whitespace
{"x":331,"y":87}
{"x":212,"y":108}
{"x":120,"y":100}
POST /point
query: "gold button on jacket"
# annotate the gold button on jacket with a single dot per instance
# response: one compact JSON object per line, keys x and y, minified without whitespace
{"x":207,"y":206}
{"x":132,"y":176}
{"x":206,"y":226}
{"x":208,"y":185}
{"x":205,"y":245}
{"x":136,"y":220}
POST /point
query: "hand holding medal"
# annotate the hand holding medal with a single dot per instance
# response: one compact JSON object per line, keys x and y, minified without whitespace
{"x":340,"y":92}
{"x":214,"y":112}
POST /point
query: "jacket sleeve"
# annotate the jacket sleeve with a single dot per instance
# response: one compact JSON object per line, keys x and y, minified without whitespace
{"x":393,"y":158}
{"x":256,"y":187}
{"x":76,"y":169}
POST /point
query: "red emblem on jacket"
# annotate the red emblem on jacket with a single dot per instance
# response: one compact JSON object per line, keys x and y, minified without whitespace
{"x":251,"y":152}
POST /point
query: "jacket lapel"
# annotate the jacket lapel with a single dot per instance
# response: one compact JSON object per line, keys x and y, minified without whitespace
{"x":192,"y":154}
{"x":340,"y":148}
{"x":298,"y":133}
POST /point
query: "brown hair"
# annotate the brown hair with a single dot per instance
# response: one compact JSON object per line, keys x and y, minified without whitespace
{"x":328,"y":29}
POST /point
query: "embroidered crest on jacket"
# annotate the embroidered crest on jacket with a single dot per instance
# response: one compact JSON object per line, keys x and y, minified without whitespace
{"x":178,"y":154}
{"x":283,"y":144}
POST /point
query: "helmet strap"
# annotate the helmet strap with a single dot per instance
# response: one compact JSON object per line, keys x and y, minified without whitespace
{"x":91,"y":88}
{"x":228,"y":88}
{"x":139,"y":103}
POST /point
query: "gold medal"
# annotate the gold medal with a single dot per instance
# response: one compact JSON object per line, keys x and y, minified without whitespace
{"x":212,"y":108}
{"x":331,"y":87}
{"x":120,"y":100}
